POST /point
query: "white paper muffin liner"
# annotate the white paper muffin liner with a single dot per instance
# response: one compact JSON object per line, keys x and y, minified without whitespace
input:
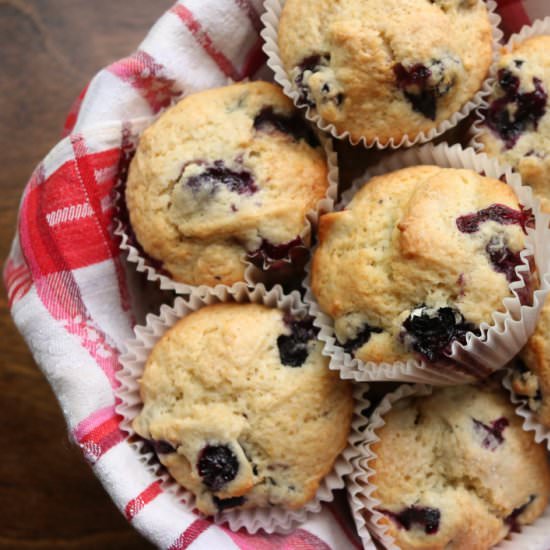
{"x":539,"y":27}
{"x":530,"y":419}
{"x":270,"y":19}
{"x":272,"y":519}
{"x":509,"y":330}
{"x":363,"y":504}
{"x":253,"y":275}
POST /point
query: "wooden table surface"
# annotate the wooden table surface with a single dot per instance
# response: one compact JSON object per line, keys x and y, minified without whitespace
{"x":49,"y":49}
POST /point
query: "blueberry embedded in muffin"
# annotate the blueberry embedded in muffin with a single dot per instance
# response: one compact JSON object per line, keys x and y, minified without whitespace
{"x":223,"y":392}
{"x":357,"y":64}
{"x":225,"y":178}
{"x":419,"y":259}
{"x":423,"y":85}
{"x":456,"y":468}
{"x":516,"y":125}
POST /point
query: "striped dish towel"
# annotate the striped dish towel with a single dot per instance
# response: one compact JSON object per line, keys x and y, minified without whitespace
{"x":66,"y":283}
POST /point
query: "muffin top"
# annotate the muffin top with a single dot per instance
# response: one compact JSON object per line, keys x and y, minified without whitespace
{"x":385,"y":68}
{"x":242,"y":408}
{"x":456,"y":470}
{"x":419,"y":258}
{"x":223,"y":174}
{"x":532,"y":375}
{"x":517,"y":122}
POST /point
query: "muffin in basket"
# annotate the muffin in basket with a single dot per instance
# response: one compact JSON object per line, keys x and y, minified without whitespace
{"x":516,"y":126}
{"x":224,"y":177}
{"x":242,"y":409}
{"x":418,"y":259}
{"x":456,"y":470}
{"x":385,"y":69}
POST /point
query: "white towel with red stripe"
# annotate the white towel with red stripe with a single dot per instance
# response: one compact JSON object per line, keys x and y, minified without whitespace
{"x":66,"y":283}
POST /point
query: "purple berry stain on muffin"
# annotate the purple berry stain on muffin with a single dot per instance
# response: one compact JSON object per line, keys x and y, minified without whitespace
{"x":431,"y":331}
{"x":363,"y":336}
{"x":217,"y":465}
{"x":492,"y":434}
{"x":294,"y":125}
{"x":414,"y":83}
{"x":510,"y":115}
{"x":293,"y":347}
{"x":425,"y":517}
{"x":214,"y":176}
{"x":512,"y":519}
{"x":500,"y":213}
{"x":226,"y":503}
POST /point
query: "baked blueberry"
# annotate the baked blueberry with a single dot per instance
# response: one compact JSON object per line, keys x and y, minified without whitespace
{"x":515,"y":112}
{"x":431,"y":331}
{"x":209,"y":181}
{"x":423,"y":84}
{"x":306,"y":68}
{"x":294,"y":347}
{"x":502,"y":258}
{"x":414,"y":516}
{"x":217,"y":465}
{"x":362,"y":338}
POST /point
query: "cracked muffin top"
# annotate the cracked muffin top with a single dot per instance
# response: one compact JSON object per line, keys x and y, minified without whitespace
{"x":517,"y":122}
{"x":385,"y":68}
{"x":456,"y":470}
{"x":531,"y":375}
{"x":419,"y":258}
{"x":242,"y":408}
{"x":223,"y":176}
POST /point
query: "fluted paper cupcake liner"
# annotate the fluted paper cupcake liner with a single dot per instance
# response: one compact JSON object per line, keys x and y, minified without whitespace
{"x":253,"y":274}
{"x":272,"y":519}
{"x":530,"y":419}
{"x":270,"y":20}
{"x":364,"y":505}
{"x":498,"y":342}
{"x":540,"y":27}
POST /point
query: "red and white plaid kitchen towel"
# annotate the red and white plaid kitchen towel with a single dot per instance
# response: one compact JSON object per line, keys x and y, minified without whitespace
{"x":66,"y":284}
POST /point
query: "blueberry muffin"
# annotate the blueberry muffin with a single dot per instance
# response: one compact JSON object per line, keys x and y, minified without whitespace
{"x":419,"y":258}
{"x":517,"y":123}
{"x":224,"y":175}
{"x":242,"y":409}
{"x":456,"y":470}
{"x":531,"y":376}
{"x":385,"y":68}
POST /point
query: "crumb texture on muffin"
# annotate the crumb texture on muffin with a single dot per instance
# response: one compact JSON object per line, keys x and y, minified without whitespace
{"x":517,"y":122}
{"x":385,"y":68}
{"x":456,"y":470}
{"x":223,"y":174}
{"x":242,"y":409}
{"x":419,"y":258}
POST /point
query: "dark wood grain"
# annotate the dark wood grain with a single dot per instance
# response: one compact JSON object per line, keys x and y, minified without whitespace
{"x":49,"y":49}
